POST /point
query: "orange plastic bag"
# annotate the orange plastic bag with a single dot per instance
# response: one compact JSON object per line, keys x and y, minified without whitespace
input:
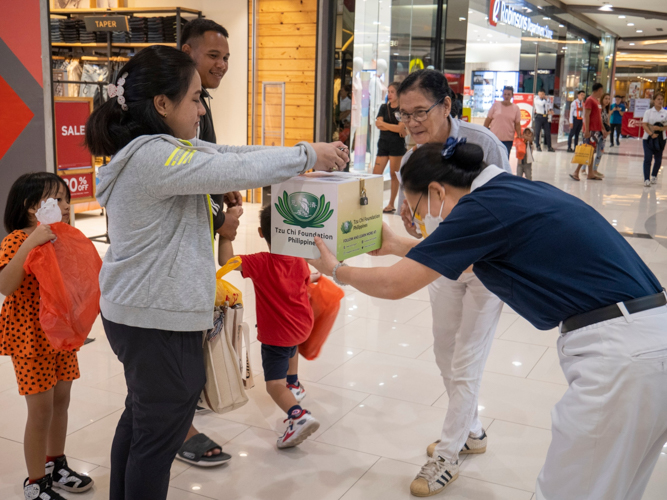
{"x":325,"y":299}
{"x":520,"y":146}
{"x":67,"y":271}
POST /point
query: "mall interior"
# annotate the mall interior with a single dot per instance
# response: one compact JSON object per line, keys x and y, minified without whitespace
{"x":319,"y":71}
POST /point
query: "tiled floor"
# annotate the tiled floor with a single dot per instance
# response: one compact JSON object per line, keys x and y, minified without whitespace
{"x":375,"y":388}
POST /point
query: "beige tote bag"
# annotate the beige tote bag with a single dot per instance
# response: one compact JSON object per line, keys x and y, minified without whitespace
{"x":227,"y":370}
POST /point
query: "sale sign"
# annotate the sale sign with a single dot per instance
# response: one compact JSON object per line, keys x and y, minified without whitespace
{"x":525,"y":103}
{"x":71,"y":115}
{"x":81,"y":185}
{"x":631,"y":126}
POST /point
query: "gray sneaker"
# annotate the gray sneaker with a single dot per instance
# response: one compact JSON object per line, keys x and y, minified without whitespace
{"x":654,"y":179}
{"x":434,"y":477}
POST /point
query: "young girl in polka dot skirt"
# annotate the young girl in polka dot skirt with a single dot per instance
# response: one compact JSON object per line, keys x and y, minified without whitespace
{"x":44,"y":375}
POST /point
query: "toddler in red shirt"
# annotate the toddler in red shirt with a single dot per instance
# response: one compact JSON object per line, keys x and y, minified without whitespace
{"x":284,"y":320}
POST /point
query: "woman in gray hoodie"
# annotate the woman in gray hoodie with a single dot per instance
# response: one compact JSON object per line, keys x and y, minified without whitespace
{"x":158,"y":277}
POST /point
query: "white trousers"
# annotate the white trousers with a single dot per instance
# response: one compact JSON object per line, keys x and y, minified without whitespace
{"x":610,"y":427}
{"x":465,"y":316}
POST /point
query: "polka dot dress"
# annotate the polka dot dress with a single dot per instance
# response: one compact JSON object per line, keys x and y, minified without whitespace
{"x":37,"y":364}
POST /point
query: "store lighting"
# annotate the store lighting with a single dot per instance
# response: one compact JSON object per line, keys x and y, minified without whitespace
{"x":632,"y":43}
{"x":631,"y":24}
{"x":489,"y":35}
{"x":546,"y":18}
{"x":640,"y":31}
{"x":475,"y":31}
{"x":561,"y":26}
{"x":621,"y":17}
{"x":606,"y":8}
{"x":462,"y":18}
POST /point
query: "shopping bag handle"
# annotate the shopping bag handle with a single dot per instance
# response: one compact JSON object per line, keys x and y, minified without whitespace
{"x":231,"y":264}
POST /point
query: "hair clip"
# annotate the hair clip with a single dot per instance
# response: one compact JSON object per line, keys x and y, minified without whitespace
{"x":451,"y":145}
{"x":118,"y":91}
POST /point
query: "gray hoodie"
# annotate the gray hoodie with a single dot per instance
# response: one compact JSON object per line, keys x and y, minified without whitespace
{"x":159,"y":271}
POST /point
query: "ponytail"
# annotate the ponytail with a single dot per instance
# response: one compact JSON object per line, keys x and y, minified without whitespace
{"x":156,"y":70}
{"x":428,"y":164}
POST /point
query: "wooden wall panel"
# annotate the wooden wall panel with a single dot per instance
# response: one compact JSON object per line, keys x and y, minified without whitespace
{"x":286,"y":44}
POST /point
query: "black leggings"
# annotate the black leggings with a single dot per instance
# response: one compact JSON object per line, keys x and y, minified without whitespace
{"x":165,"y":375}
{"x":615,"y":127}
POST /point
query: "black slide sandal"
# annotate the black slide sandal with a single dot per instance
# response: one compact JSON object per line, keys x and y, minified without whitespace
{"x":194,"y":451}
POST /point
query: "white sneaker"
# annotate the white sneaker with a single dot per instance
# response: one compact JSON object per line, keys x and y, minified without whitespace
{"x":472,"y":446}
{"x":654,"y":179}
{"x":647,"y":183}
{"x":299,"y":391}
{"x":434,"y":477}
{"x":298,"y":430}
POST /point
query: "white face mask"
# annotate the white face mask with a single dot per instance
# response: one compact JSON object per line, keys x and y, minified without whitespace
{"x":430,"y":222}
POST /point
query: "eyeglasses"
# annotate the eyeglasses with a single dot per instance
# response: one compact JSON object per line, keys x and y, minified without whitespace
{"x":414,"y":212}
{"x":419,"y":116}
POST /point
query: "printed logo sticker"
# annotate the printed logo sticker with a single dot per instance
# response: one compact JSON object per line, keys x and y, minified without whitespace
{"x":346,"y":227}
{"x":303,"y":209}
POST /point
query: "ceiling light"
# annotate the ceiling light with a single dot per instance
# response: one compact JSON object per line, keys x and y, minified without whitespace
{"x":631,"y":24}
{"x":606,"y":8}
{"x":489,"y":35}
{"x":475,"y":31}
{"x":632,"y":43}
{"x":462,"y":18}
{"x":561,"y":26}
{"x":539,"y":7}
{"x":546,"y":18}
{"x":640,"y":31}
{"x":621,"y":17}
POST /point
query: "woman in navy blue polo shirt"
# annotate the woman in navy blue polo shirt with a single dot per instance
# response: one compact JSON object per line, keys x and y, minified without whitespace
{"x":525,"y":240}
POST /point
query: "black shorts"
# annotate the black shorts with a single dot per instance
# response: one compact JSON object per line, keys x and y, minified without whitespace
{"x":275,"y":361}
{"x":391,"y":148}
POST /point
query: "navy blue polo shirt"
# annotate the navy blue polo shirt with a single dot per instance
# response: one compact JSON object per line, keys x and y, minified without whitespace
{"x":545,"y":253}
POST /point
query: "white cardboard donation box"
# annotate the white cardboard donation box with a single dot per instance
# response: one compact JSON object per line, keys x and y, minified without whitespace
{"x":344,"y":209}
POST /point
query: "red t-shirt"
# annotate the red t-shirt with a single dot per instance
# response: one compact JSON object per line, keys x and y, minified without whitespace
{"x":596,"y":113}
{"x":284,"y":314}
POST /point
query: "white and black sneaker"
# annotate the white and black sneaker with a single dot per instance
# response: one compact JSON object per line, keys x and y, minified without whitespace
{"x":437,"y":474}
{"x":472,"y":446}
{"x":299,"y":427}
{"x":66,"y":479}
{"x":41,"y":490}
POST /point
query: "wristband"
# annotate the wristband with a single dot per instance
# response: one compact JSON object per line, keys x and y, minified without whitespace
{"x":333,"y":273}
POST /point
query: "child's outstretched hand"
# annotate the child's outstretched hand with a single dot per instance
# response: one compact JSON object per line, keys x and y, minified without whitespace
{"x":42,"y":234}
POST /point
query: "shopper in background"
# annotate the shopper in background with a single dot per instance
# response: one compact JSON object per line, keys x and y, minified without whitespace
{"x":465,"y":313}
{"x":524,"y":166}
{"x":345,"y":105}
{"x":654,"y":124}
{"x":543,"y":109}
{"x":616,"y":119}
{"x":158,"y":276}
{"x":44,"y":374}
{"x":593,"y":132}
{"x":526,"y":241}
{"x":205,"y":41}
{"x":504,"y":119}
{"x":391,"y":145}
{"x":576,"y":120}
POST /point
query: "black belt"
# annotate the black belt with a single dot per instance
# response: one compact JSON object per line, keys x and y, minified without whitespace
{"x":611,"y":312}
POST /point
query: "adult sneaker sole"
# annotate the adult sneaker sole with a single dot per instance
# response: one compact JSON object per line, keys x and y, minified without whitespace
{"x":306,"y":431}
{"x":425,"y":494}
{"x":430,"y":449}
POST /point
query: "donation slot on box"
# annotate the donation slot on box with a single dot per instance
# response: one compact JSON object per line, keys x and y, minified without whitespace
{"x":344,"y":209}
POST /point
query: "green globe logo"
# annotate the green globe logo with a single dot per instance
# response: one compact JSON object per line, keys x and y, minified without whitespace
{"x":346,"y":227}
{"x":303,"y":209}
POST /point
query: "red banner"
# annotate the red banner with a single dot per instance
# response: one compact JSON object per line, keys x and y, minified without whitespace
{"x":80,"y":185}
{"x":71,"y":117}
{"x":631,"y":126}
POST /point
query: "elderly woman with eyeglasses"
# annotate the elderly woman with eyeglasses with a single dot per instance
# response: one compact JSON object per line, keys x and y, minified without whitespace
{"x":465,"y":313}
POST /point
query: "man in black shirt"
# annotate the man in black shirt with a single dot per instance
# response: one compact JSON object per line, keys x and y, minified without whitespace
{"x":206,"y":42}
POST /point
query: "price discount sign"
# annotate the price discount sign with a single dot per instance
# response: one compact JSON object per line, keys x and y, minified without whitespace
{"x":80,"y":185}
{"x":71,"y":116}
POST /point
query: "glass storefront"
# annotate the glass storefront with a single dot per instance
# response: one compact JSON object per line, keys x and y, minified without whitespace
{"x":529,"y":46}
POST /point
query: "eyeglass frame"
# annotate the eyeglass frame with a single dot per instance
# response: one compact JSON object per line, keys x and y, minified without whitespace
{"x":398,"y":115}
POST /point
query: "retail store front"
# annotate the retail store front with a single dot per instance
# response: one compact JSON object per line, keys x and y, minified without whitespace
{"x":480,"y":45}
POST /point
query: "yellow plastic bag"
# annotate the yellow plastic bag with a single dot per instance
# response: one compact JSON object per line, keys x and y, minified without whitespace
{"x":226,"y":293}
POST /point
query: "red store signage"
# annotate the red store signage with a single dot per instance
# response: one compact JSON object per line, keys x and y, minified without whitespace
{"x":631,"y":126}
{"x":71,"y":115}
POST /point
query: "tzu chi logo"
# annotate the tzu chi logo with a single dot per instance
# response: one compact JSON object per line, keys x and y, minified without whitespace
{"x":494,"y":12}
